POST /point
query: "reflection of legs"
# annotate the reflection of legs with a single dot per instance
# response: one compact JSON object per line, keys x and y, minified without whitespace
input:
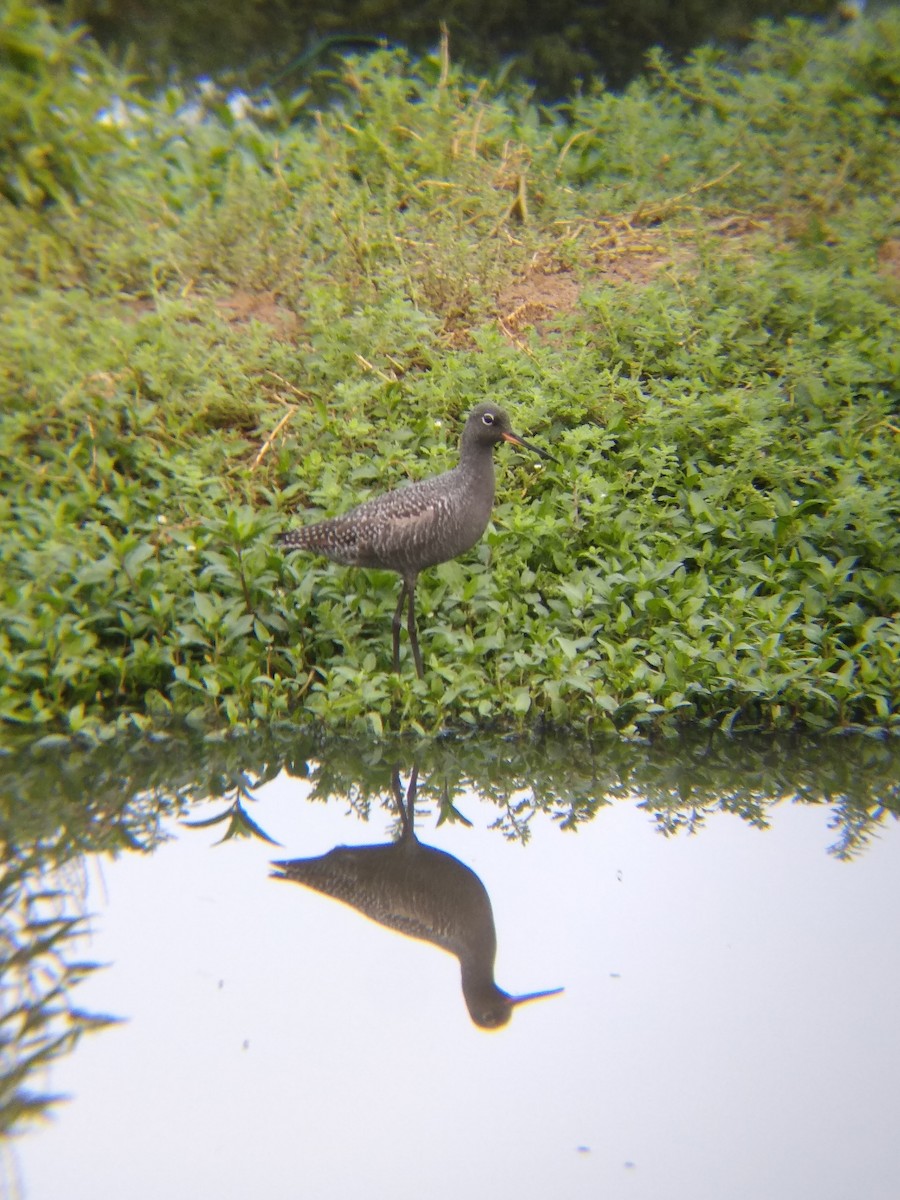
{"x":411,"y":627}
{"x":397,"y":789}
{"x":411,"y":797}
{"x":398,"y":616}
{"x":407,"y":808}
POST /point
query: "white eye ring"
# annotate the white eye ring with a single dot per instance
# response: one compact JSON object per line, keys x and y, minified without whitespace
{"x":488,"y":418}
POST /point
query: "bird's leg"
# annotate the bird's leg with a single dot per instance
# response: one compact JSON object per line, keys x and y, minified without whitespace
{"x":411,"y":627}
{"x":398,"y":617}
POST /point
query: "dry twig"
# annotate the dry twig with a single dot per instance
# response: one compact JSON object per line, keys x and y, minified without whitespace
{"x":267,"y":444}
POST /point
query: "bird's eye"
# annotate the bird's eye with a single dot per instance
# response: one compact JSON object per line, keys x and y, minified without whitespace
{"x":488,"y":418}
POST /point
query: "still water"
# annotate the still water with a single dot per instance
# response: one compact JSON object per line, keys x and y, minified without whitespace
{"x":722,"y":916}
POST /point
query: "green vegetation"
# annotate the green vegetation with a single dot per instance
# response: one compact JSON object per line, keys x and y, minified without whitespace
{"x":211,"y":326}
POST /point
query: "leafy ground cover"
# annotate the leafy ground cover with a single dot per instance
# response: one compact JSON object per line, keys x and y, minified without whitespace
{"x":214,"y":325}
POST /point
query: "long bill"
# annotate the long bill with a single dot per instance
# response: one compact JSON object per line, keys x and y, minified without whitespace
{"x":535,"y":996}
{"x":517,"y":441}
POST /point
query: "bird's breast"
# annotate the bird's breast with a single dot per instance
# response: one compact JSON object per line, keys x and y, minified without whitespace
{"x":462,"y":517}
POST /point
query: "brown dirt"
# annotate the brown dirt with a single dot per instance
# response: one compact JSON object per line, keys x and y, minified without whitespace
{"x":889,"y":257}
{"x":619,"y":250}
{"x":238,"y":308}
{"x":242,"y":307}
{"x":538,"y":296}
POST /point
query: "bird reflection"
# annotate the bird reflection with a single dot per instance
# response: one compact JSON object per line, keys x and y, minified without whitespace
{"x":424,"y":893}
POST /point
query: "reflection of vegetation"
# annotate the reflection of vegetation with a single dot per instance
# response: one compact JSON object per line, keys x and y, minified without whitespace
{"x":857,"y":778}
{"x":236,"y":817}
{"x":680,"y":782}
{"x":57,"y":803}
{"x":38,"y":1020}
{"x":114,"y":796}
{"x":555,"y":45}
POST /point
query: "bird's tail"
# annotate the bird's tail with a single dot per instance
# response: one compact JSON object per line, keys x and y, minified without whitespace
{"x":302,"y":538}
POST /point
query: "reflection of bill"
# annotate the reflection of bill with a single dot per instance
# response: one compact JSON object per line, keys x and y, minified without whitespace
{"x":424,"y":893}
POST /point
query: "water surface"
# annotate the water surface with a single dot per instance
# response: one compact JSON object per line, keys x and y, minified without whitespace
{"x":722,"y":916}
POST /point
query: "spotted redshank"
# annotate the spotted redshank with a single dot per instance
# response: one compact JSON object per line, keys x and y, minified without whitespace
{"x":422,"y":524}
{"x":424,"y":893}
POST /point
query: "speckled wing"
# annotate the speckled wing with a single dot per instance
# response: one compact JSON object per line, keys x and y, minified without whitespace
{"x":396,"y":531}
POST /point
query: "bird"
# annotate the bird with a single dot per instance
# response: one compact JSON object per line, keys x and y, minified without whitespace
{"x":421,"y":524}
{"x":424,"y":893}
